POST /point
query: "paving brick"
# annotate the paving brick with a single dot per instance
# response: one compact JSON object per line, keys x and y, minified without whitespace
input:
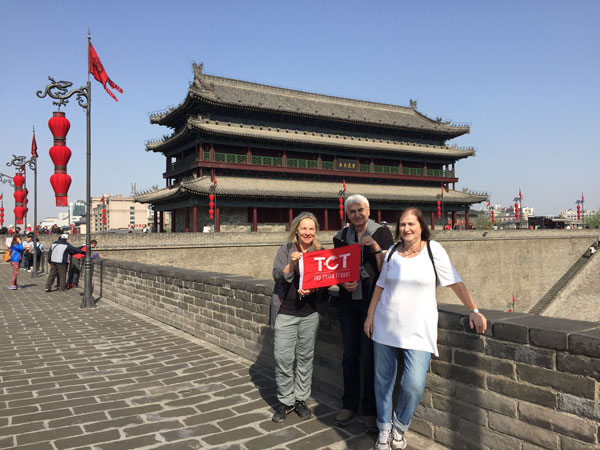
{"x":272,"y":439}
{"x":87,"y":439}
{"x":49,"y":435}
{"x":185,"y":433}
{"x":121,"y":422}
{"x":43,"y":415}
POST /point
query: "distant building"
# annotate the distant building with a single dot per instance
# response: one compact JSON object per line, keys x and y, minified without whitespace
{"x":119,"y":213}
{"x":267,"y":153}
{"x":571,"y":214}
{"x":77,"y":208}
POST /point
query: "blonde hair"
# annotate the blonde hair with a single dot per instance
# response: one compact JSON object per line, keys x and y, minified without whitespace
{"x":293,"y":236}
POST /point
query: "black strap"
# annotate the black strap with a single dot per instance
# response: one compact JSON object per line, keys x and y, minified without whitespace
{"x":397,"y":244}
{"x":345,"y":235}
{"x":437,"y":280}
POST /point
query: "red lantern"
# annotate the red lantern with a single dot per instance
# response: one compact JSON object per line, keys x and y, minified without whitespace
{"x":18,"y":180}
{"x":20,"y":213}
{"x":493,"y":217}
{"x":19,"y":196}
{"x":59,"y":126}
{"x":211,"y":206}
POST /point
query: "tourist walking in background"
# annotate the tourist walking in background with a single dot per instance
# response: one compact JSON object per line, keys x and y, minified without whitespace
{"x":402,"y":321}
{"x":16,"y":253}
{"x":353,"y":304}
{"x":294,"y":316}
{"x":58,"y":258}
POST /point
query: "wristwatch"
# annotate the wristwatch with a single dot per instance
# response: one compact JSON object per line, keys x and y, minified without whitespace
{"x":475,"y":311}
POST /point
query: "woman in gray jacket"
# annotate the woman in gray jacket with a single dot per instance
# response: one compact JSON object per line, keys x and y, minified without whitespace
{"x":294,"y":316}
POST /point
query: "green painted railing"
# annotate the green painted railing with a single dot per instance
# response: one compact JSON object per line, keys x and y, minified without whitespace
{"x":267,"y":160}
{"x":311,"y":164}
{"x":183,"y":162}
{"x":327,"y":165}
{"x":393,"y":170}
{"x":302,"y":163}
{"x":231,"y":158}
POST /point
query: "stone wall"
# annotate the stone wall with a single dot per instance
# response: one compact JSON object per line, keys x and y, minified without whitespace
{"x":525,"y":263}
{"x":531,"y":382}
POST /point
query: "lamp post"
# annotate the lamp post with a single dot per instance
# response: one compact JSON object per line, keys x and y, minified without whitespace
{"x":20,"y":162}
{"x":59,"y":90}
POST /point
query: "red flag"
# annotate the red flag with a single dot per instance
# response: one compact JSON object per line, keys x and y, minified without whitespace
{"x":514,"y":300}
{"x":102,"y":199}
{"x":1,"y":196}
{"x":520,"y":195}
{"x":97,"y":70}
{"x":34,"y":152}
{"x":329,"y":267}
{"x":582,"y":196}
{"x":488,"y":204}
{"x":344,"y":184}
{"x":214,"y":180}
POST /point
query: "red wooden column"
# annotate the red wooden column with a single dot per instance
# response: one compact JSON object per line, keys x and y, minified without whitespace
{"x":453,"y":219}
{"x":161,"y":222}
{"x":290,"y":216}
{"x":254,"y":219}
{"x":187,"y":219}
{"x":217,"y":219}
{"x":378,"y":216}
{"x":466,"y":219}
{"x":195,"y":218}
{"x":325,"y":219}
{"x":173,"y":220}
{"x":432,"y":220}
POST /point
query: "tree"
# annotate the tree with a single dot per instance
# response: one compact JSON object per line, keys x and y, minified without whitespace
{"x":483,"y":223}
{"x":593,"y":221}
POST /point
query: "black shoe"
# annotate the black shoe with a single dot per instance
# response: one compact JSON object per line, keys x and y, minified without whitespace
{"x":282,"y":412}
{"x":302,"y":410}
{"x":48,"y":290}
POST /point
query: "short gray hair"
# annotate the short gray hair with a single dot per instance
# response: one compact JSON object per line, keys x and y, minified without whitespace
{"x":355,"y":198}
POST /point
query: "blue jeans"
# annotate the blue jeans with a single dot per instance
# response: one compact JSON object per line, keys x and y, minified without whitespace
{"x":358,"y":349}
{"x":412,"y":386}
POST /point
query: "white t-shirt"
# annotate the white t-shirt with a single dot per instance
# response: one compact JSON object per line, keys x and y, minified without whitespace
{"x":406,"y":315}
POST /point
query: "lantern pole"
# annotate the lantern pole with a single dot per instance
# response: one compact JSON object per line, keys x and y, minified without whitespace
{"x":20,"y":162}
{"x":578,"y":203}
{"x":59,"y":90}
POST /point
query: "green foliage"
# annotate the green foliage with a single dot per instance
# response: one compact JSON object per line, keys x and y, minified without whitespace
{"x":593,"y":221}
{"x":483,"y":223}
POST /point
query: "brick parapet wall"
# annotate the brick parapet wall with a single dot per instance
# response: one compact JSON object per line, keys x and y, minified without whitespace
{"x":530,"y":382}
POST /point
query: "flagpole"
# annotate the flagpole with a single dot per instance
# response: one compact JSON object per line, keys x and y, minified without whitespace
{"x":88,"y":301}
{"x":35,"y":235}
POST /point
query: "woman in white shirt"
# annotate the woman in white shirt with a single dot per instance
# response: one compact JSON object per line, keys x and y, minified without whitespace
{"x":403,"y":317}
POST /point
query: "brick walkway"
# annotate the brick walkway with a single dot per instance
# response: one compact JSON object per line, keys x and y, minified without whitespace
{"x":108,"y":378}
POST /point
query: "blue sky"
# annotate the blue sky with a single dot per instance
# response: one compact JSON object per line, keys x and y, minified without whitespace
{"x":525,"y":74}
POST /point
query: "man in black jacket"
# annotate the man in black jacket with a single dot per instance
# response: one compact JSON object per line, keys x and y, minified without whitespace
{"x":58,"y":258}
{"x":353,"y":304}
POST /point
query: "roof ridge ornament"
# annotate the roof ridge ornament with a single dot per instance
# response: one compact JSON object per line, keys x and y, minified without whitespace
{"x":413,"y":104}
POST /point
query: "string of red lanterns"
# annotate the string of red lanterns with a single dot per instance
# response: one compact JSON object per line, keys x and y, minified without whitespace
{"x":1,"y":216}
{"x":211,"y":205}
{"x":19,"y":194}
{"x":59,"y":127}
{"x":439,"y":209}
{"x":516,"y":210}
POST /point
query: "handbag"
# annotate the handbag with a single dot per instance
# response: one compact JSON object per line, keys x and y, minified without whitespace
{"x":7,"y":255}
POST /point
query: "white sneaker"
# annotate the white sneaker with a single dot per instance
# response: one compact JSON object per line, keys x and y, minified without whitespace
{"x":398,"y":441}
{"x":383,"y":441}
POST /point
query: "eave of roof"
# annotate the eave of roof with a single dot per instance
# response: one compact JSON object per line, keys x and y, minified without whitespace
{"x":258,"y":133}
{"x":297,"y":189}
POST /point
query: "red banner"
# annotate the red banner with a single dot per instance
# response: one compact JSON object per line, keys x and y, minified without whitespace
{"x":328,"y":267}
